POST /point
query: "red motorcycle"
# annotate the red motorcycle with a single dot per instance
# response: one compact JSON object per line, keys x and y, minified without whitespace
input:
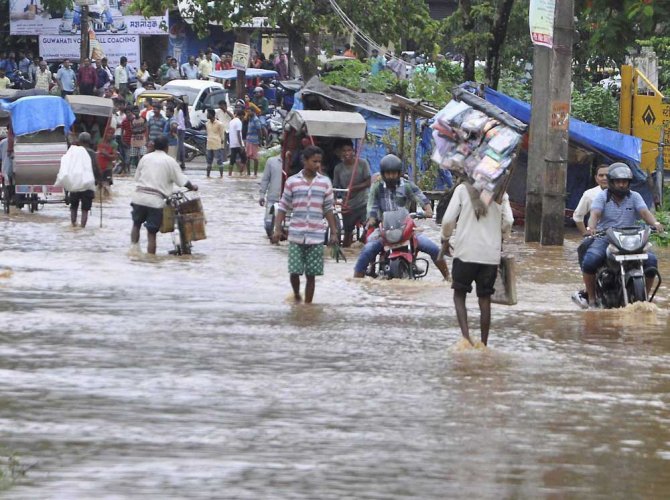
{"x":399,"y":257}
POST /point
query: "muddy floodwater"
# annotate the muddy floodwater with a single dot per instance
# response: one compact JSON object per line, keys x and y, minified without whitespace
{"x":124,"y":376}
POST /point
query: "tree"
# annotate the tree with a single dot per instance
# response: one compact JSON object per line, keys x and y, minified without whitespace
{"x":478,"y":29}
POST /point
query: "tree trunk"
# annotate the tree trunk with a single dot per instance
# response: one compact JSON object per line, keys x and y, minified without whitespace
{"x":498,"y":34}
{"x":469,"y":53}
{"x":297,"y":43}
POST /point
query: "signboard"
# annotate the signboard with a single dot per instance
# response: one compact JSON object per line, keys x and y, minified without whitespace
{"x":541,"y":22}
{"x":560,"y":115}
{"x":28,"y":17}
{"x":241,"y":53}
{"x":651,"y":122}
{"x":57,"y":48}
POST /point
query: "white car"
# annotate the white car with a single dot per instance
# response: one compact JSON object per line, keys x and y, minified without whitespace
{"x":201,"y":94}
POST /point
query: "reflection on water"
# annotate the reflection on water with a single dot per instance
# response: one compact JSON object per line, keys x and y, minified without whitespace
{"x":195,"y":377}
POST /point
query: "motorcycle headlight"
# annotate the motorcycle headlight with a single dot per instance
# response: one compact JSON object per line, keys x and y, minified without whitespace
{"x":630,"y":243}
{"x":393,"y":235}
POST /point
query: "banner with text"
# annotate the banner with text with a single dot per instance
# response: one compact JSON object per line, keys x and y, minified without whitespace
{"x":28,"y":17}
{"x":57,"y":48}
{"x":541,"y":22}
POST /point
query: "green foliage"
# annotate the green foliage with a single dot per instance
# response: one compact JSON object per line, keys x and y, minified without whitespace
{"x":596,"y":105}
{"x":349,"y":74}
{"x":429,"y":89}
{"x":663,"y":216}
{"x":512,"y":85}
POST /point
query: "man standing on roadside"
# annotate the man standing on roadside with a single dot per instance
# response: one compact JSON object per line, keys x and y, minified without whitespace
{"x":155,"y":178}
{"x":87,"y":77}
{"x":477,"y":247}
{"x":206,"y":65}
{"x":121,"y":77}
{"x":190,"y":69}
{"x":43,"y":77}
{"x":66,"y":79}
{"x":216,"y":137}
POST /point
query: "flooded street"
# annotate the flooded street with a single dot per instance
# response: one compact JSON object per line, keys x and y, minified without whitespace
{"x":126,"y":376}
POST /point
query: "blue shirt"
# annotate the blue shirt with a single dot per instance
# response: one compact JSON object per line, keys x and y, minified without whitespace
{"x":617,"y":215}
{"x":190,"y":72}
{"x":254,"y":130}
{"x":383,"y":199}
{"x":66,"y":77}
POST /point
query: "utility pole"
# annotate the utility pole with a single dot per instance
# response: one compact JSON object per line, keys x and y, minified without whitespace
{"x":548,"y":152}
{"x":556,"y":161}
{"x":84,"y":46}
{"x":539,"y":119}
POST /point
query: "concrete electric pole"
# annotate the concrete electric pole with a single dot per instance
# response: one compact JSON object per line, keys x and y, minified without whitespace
{"x":548,"y":154}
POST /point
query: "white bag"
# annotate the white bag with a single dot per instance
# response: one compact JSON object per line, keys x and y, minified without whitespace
{"x":76,"y":171}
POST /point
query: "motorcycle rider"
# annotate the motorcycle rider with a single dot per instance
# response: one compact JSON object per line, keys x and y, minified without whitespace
{"x":616,"y":206}
{"x":389,"y":193}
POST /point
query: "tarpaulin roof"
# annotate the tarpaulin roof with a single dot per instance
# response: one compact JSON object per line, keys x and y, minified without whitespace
{"x":90,"y":105}
{"x":37,"y":113}
{"x":328,"y":123}
{"x":609,"y":143}
{"x":231,"y":74}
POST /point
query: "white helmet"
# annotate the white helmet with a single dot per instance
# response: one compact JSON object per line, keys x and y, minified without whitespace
{"x":258,"y":90}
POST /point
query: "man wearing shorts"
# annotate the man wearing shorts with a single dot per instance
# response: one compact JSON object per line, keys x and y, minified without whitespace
{"x":155,"y":177}
{"x":254,"y":132}
{"x":476,"y":250}
{"x":354,"y":175}
{"x":309,"y":196}
{"x":236,"y":142}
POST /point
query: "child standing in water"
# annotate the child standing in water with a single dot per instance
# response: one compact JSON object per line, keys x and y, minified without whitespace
{"x":309,"y":196}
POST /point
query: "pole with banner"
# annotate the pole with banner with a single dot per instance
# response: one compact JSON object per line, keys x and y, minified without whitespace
{"x":241,"y":53}
{"x":83,"y":28}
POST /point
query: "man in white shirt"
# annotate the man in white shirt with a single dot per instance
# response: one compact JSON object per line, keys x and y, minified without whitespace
{"x":121,"y":76}
{"x":477,"y":247}
{"x":236,"y":142}
{"x":43,"y":77}
{"x":156,"y":175}
{"x":584,"y":206}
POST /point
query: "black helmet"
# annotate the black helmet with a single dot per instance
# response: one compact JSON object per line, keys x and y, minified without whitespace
{"x":619,"y":171}
{"x":390,"y":163}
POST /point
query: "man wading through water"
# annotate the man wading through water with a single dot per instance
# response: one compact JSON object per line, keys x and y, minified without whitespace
{"x":309,"y":195}
{"x":477,"y":247}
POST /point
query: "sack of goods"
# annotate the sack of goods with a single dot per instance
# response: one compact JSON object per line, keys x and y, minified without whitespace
{"x":476,"y":139}
{"x":76,"y":170}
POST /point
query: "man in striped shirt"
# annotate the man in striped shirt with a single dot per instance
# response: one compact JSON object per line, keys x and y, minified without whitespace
{"x":309,"y":196}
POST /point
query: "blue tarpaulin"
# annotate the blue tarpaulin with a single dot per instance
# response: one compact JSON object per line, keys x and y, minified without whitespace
{"x":611,"y":144}
{"x":37,"y":113}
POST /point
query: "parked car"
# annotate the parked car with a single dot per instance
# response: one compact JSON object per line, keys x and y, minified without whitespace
{"x":200,"y":94}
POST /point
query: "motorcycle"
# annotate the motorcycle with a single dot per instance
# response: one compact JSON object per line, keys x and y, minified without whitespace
{"x":20,"y":81}
{"x":621,"y":280}
{"x":195,"y":143}
{"x":399,"y":258}
{"x":275,"y":127}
